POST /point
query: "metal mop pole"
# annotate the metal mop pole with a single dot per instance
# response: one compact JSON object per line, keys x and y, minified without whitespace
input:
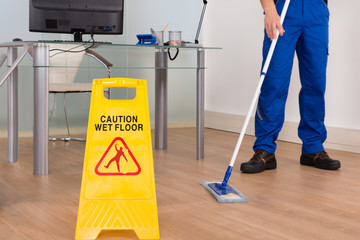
{"x":254,"y":100}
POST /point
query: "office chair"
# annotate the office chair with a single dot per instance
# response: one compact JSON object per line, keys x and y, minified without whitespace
{"x":66,"y":59}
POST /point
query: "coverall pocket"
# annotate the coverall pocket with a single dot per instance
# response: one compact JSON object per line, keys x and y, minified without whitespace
{"x":325,"y":4}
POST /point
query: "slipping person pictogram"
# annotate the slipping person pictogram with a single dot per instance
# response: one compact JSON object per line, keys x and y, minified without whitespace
{"x":120,"y":153}
{"x":132,"y":167}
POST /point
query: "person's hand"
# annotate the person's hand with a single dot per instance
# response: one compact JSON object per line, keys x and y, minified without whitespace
{"x":272,"y":23}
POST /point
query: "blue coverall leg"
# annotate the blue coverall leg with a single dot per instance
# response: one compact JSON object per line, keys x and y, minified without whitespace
{"x":306,"y":33}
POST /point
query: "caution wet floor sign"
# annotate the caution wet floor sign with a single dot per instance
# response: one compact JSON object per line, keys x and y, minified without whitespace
{"x":118,"y":186}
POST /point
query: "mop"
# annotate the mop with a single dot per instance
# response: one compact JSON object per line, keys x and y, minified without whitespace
{"x":222,"y":190}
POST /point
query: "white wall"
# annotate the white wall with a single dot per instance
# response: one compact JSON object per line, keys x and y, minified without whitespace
{"x":13,"y":14}
{"x":180,"y":15}
{"x":140,"y":16}
{"x":233,"y":73}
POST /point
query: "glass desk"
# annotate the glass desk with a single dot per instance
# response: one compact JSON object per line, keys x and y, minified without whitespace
{"x":40,"y":53}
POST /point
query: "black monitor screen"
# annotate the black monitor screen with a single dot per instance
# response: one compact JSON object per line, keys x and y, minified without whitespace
{"x":77,"y":16}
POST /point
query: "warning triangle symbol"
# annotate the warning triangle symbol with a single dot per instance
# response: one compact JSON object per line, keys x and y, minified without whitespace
{"x":118,"y":160}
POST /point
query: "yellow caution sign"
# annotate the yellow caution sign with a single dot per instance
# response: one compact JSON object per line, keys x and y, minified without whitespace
{"x":118,"y":185}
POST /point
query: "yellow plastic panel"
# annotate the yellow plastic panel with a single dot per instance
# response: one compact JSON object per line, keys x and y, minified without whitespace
{"x":118,"y":186}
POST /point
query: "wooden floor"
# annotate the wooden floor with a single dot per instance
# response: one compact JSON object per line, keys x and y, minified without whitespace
{"x":291,"y":202}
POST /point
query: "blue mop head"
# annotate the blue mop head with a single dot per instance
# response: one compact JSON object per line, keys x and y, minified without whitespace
{"x":227,"y":195}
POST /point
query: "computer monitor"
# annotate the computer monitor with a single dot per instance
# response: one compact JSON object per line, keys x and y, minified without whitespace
{"x":77,"y":17}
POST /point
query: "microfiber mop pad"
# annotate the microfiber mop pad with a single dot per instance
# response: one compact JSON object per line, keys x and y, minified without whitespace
{"x":227,"y":195}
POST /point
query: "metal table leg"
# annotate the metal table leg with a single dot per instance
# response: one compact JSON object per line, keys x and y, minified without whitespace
{"x":41,"y":106}
{"x":161,"y":61}
{"x":200,"y":105}
{"x":12,"y":108}
{"x":161,"y":101}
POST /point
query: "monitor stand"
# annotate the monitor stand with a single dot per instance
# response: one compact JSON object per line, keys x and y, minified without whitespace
{"x":78,"y":32}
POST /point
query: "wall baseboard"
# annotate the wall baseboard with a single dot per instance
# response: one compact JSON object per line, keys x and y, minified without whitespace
{"x":338,"y":138}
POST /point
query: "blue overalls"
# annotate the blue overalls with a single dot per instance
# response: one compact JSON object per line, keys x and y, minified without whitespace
{"x":306,"y":32}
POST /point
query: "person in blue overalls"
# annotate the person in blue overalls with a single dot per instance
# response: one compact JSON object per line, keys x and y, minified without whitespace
{"x":306,"y":32}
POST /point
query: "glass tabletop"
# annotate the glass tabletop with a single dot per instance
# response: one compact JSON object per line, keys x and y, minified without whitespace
{"x":120,"y":56}
{"x":117,"y":45}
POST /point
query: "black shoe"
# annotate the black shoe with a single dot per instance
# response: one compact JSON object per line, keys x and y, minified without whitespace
{"x":320,"y":160}
{"x":259,"y":162}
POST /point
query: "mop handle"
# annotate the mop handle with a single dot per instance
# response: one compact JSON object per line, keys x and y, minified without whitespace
{"x":263,"y":73}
